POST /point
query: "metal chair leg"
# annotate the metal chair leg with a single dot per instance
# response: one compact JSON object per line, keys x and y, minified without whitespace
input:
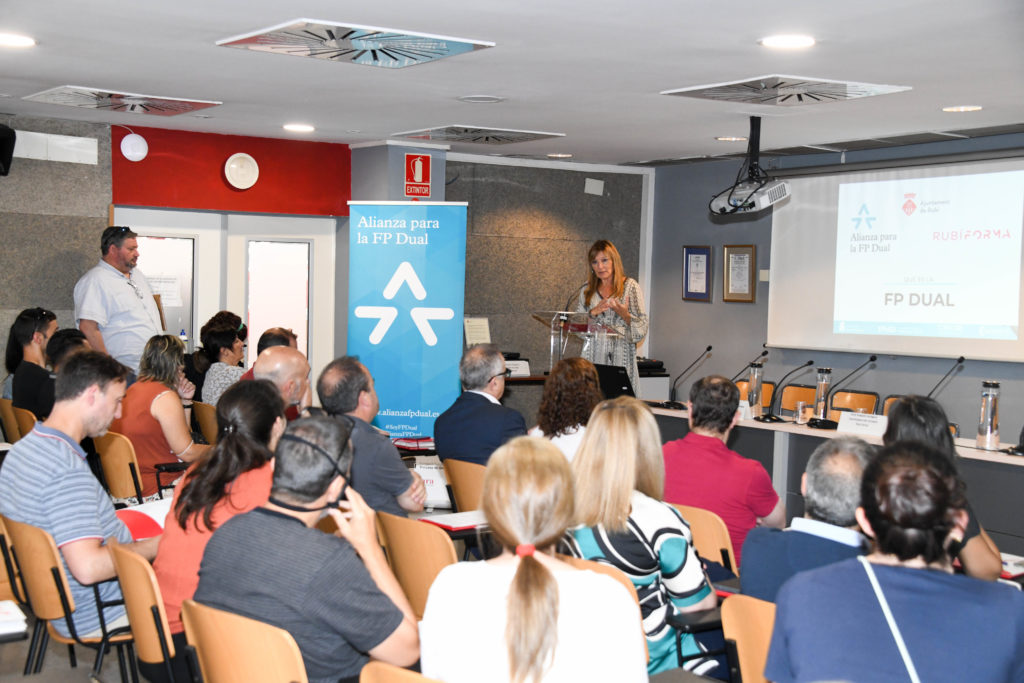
{"x":71,"y":656}
{"x":37,"y":631}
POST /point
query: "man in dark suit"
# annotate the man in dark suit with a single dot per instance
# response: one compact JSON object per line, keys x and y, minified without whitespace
{"x":476,"y":424}
{"x":827,"y":532}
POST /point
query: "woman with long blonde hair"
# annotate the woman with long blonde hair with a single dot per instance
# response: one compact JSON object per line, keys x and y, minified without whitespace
{"x":526,"y":615}
{"x":620,"y":478}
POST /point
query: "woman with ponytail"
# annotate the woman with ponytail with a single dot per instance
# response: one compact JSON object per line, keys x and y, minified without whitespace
{"x":526,"y":615}
{"x":233,"y":477}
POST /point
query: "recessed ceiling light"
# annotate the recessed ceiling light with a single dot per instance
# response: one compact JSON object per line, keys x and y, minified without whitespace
{"x":962,"y":108}
{"x":560,"y":155}
{"x":731,"y":138}
{"x":789,"y":41}
{"x":15,"y":40}
{"x":299,"y":127}
{"x":481,"y":99}
{"x":353,"y":130}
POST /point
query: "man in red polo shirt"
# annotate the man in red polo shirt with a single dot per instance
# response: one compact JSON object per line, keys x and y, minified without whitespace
{"x":701,"y":471}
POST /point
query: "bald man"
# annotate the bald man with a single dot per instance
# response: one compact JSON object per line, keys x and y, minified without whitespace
{"x":288,"y":369}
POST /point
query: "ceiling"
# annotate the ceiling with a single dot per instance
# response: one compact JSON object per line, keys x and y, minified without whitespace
{"x":592,"y":71}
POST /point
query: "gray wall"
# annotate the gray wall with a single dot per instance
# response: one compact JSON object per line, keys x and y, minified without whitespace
{"x":51,"y":217}
{"x":680,"y":329}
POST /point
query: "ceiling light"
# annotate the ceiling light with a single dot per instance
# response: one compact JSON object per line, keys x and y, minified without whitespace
{"x":962,"y":108}
{"x":481,"y":99}
{"x":731,"y":138}
{"x":299,"y":127}
{"x":790,"y":41}
{"x":560,"y":155}
{"x":15,"y":40}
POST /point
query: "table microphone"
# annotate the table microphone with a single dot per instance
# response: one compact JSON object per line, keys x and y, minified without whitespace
{"x":672,"y":389}
{"x":770,"y":416}
{"x":957,"y":364}
{"x":824,"y":423}
{"x":752,"y":360}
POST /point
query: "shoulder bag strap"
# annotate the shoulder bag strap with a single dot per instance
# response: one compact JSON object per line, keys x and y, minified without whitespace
{"x":907,"y":662}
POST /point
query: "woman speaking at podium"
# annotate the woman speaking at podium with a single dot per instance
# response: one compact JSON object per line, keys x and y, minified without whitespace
{"x":615,"y":301}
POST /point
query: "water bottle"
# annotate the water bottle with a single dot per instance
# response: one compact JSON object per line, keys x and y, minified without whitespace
{"x":754,"y":389}
{"x":184,"y":338}
{"x":988,"y":422}
{"x":821,"y":393}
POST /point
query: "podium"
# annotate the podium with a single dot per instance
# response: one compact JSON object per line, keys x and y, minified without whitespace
{"x":566,"y":325}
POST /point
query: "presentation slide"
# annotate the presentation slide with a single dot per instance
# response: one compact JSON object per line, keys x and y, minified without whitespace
{"x":935,"y":257}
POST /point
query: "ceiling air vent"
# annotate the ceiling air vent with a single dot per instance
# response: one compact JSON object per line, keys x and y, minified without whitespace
{"x":367,"y":45}
{"x":785,"y":91}
{"x":111,"y":100}
{"x":476,"y":134}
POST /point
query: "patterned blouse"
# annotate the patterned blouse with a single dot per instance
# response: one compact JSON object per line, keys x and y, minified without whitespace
{"x":619,"y":350}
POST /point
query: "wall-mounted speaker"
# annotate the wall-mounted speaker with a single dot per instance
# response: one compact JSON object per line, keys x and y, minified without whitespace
{"x":6,"y":148}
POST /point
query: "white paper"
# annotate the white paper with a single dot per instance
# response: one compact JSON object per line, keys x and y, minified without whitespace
{"x":864,"y":424}
{"x":478,"y":331}
{"x":168,"y":288}
{"x":739,"y":273}
{"x":698,"y":267}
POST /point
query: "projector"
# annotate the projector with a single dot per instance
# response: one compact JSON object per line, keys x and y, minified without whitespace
{"x":749,"y":196}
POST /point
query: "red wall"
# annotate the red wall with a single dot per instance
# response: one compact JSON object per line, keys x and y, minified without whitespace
{"x":186,"y":170}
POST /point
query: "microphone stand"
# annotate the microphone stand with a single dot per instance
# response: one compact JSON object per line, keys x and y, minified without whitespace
{"x":770,"y":416}
{"x":957,"y":364}
{"x":825,"y":423}
{"x":672,"y":403}
{"x":753,"y":360}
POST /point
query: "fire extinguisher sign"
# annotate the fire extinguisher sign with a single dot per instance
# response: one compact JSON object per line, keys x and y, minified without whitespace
{"x":417,"y":175}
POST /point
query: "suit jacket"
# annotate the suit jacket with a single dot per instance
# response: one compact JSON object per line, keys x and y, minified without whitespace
{"x":473,"y":428}
{"x":772,"y":556}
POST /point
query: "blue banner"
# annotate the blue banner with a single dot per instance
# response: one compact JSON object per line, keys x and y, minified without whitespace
{"x":406,"y":287}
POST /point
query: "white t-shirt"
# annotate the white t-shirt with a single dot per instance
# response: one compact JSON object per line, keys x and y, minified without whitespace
{"x":462,"y":635}
{"x":569,"y":442}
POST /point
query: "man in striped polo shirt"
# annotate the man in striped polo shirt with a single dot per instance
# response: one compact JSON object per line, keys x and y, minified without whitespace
{"x":46,"y":482}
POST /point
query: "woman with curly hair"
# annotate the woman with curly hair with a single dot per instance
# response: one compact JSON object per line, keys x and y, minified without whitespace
{"x":570,"y":393}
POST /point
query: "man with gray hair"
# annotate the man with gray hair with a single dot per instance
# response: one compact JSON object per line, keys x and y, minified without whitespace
{"x":477,"y":424}
{"x":827,"y":532}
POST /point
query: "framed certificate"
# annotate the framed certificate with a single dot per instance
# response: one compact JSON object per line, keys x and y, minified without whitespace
{"x":697,"y":274}
{"x":739,"y":267}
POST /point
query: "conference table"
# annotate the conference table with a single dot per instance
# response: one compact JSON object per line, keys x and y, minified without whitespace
{"x":995,"y":480}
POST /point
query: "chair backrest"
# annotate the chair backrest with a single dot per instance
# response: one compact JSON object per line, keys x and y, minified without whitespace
{"x":37,"y":556}
{"x":767,"y":389}
{"x":382,"y":672}
{"x":206,"y":416}
{"x":11,"y":586}
{"x":613,"y":572}
{"x":710,"y":535}
{"x":25,"y":418}
{"x":796,"y":392}
{"x":235,"y":649}
{"x":855,"y":401}
{"x":141,"y":594}
{"x":467,"y":482}
{"x":417,"y":552}
{"x":748,"y":621}
{"x":889,"y":400}
{"x":120,"y":466}
{"x":11,"y":431}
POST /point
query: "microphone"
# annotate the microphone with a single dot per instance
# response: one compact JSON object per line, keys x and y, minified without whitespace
{"x":672,"y":403}
{"x":575,"y":293}
{"x":824,"y":423}
{"x":770,"y":416}
{"x":957,"y":364}
{"x":752,"y":360}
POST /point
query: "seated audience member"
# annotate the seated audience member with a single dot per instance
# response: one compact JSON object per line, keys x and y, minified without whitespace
{"x":224,"y":349}
{"x":275,"y":336}
{"x":45,"y":482}
{"x":916,"y":418}
{"x":526,"y":615}
{"x":63,"y":343}
{"x":476,"y":424}
{"x":346,"y":387}
{"x":701,"y":471}
{"x":900,"y":613}
{"x":198,"y":362}
{"x":619,"y":477}
{"x":334,"y":594}
{"x":233,"y":478}
{"x":288,"y":369}
{"x":155,"y":412}
{"x":570,"y":393}
{"x":827,"y":532}
{"x":32,"y":383}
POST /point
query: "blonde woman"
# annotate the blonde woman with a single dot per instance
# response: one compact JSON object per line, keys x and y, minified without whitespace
{"x":525,"y":615}
{"x":620,"y":477}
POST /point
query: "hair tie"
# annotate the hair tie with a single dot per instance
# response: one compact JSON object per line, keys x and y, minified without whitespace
{"x":524,"y":549}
